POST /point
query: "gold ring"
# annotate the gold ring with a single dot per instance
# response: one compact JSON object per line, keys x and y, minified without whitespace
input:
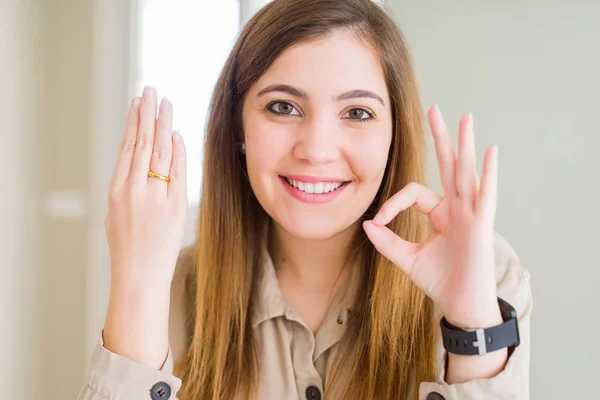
{"x":160,"y":177}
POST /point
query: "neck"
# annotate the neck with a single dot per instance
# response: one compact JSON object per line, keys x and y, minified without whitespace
{"x":317,"y":265}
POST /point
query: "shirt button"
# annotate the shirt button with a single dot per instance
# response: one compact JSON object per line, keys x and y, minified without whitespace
{"x":435,"y":396}
{"x":313,"y":393}
{"x":160,"y":391}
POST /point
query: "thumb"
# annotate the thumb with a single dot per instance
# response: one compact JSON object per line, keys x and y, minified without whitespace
{"x":390,"y":245}
{"x":178,"y":174}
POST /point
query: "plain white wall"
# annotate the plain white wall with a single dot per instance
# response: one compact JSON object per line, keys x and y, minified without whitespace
{"x":249,"y":7}
{"x":529,"y":72}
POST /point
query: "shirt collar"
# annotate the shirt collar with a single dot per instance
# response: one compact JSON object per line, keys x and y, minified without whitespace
{"x":270,"y":303}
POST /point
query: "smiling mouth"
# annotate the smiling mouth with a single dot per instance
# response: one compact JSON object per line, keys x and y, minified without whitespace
{"x":315,"y":187}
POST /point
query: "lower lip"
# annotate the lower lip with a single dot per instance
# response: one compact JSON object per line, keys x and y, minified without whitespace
{"x":312,"y":198}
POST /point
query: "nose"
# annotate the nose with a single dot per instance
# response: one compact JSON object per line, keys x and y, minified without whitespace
{"x":318,"y":142}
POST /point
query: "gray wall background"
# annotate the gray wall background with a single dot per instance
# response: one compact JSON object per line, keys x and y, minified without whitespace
{"x":529,"y":71}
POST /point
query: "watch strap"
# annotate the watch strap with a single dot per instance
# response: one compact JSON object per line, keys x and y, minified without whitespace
{"x":482,"y":341}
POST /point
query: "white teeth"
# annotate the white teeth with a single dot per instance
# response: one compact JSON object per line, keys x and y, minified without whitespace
{"x":317,"y":187}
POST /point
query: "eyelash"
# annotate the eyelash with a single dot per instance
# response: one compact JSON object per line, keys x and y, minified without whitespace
{"x":360,"y":120}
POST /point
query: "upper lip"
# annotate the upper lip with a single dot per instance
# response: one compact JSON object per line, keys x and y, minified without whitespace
{"x":313,"y":179}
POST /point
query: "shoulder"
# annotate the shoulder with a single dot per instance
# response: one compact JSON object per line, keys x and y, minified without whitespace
{"x":185,"y":261}
{"x":181,"y":317}
{"x":512,"y":277}
{"x":508,"y":263}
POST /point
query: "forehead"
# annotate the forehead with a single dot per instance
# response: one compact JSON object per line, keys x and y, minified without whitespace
{"x":335,"y":63}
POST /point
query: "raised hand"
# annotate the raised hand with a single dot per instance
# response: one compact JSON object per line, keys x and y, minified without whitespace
{"x":145,"y":227}
{"x":455,"y":265}
{"x":146,"y":217}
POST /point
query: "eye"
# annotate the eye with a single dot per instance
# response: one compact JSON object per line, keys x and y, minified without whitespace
{"x":359,"y":115}
{"x":282,"y":108}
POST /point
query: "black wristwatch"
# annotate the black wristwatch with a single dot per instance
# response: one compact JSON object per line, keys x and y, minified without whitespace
{"x":483,"y":341}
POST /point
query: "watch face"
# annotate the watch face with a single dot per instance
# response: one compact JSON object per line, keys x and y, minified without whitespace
{"x":508,"y":312}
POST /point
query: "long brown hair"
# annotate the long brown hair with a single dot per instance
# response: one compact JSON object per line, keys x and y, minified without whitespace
{"x":391,"y":333}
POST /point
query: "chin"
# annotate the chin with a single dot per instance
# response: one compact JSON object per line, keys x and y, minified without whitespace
{"x":313,"y":228}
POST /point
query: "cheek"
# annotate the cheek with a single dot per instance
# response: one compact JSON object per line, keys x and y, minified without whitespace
{"x":369,"y":158}
{"x":267,"y":144}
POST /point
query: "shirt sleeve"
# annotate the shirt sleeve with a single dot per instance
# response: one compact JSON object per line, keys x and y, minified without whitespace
{"x":112,"y":377}
{"x":513,"y":381}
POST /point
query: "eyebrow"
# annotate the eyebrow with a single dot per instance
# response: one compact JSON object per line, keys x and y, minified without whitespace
{"x":351,"y":94}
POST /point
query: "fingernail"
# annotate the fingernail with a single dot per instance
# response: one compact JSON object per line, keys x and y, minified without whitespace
{"x":136,"y":102}
{"x":165,"y":103}
{"x":439,"y":110}
{"x":379,"y":218}
{"x":149,"y":93}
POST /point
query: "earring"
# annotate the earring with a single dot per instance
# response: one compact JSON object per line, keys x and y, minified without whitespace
{"x":242,"y":147}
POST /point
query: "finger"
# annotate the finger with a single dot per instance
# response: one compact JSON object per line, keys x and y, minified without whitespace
{"x":444,"y":151}
{"x":394,"y":248}
{"x":145,"y":138}
{"x":425,"y":199}
{"x":466,"y":173}
{"x":162,"y":152}
{"x":488,"y":192}
{"x":178,"y":185}
{"x":123,"y":166}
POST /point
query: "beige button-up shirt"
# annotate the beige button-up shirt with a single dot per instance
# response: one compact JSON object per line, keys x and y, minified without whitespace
{"x":293,"y":359}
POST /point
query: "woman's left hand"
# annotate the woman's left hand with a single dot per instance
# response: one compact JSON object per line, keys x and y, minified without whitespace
{"x":455,"y":265}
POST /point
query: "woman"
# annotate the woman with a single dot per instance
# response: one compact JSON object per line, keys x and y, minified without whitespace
{"x":315,"y":273}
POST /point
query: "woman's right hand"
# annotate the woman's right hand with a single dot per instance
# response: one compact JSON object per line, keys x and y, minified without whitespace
{"x":145,"y":227}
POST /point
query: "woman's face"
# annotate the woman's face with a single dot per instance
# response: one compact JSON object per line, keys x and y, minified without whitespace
{"x":318,"y":129}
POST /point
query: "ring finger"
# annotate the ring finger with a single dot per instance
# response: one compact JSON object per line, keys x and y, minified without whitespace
{"x":163,"y":144}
